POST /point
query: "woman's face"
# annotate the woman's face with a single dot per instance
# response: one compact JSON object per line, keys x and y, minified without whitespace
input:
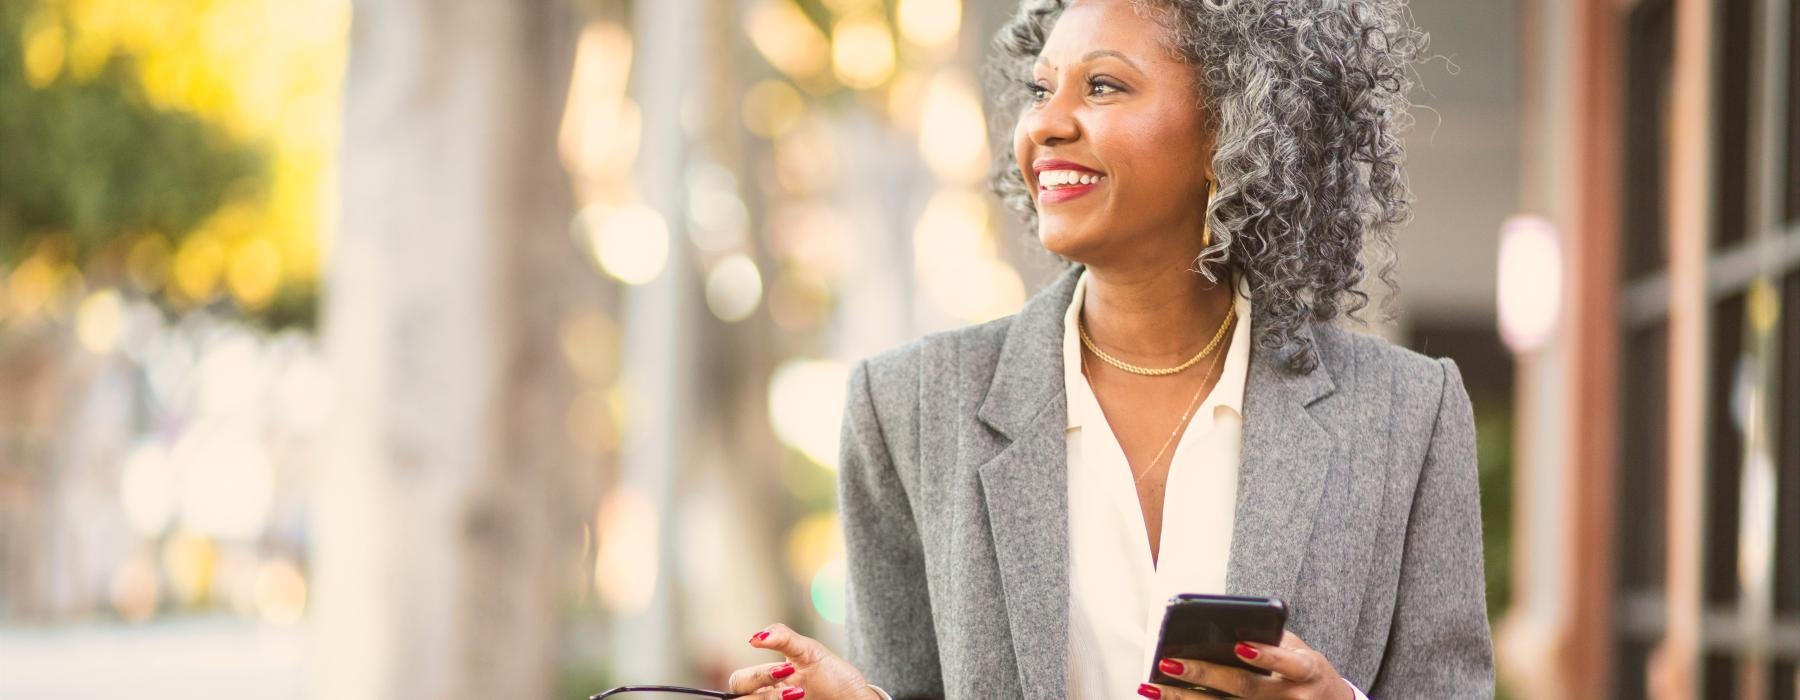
{"x":1111,"y":144}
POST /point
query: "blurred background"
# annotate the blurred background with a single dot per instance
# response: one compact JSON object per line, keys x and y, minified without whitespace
{"x":426,"y":348}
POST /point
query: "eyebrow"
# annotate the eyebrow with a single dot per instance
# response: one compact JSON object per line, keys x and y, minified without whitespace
{"x":1097,"y":53}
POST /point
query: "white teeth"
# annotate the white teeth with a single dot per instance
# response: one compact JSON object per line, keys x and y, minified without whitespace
{"x":1065,"y":178}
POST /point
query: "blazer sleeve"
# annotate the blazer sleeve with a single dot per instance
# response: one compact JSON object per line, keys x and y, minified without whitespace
{"x":888,"y":615}
{"x":1439,"y":644}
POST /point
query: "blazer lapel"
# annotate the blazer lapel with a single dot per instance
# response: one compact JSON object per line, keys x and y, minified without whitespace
{"x":1286,"y":454}
{"x":1026,"y":488}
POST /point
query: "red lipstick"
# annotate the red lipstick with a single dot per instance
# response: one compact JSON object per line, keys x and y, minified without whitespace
{"x":1063,"y":191}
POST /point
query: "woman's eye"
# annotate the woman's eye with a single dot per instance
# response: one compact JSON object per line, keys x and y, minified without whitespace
{"x":1096,"y":88}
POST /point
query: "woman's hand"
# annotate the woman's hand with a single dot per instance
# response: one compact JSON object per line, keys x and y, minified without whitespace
{"x":1300,"y":673}
{"x":811,"y":671}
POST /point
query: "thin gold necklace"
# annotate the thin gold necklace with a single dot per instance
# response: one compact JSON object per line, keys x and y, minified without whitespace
{"x":1139,"y":476}
{"x":1081,"y":327}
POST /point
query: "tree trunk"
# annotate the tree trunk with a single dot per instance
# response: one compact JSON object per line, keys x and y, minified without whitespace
{"x":447,"y":502}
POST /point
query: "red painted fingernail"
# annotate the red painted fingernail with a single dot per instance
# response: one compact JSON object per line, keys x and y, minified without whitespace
{"x":1149,"y":691}
{"x":1171,"y":667}
{"x":782,"y":671}
{"x":793,"y":694}
{"x":1246,"y":651}
{"x":759,"y":636}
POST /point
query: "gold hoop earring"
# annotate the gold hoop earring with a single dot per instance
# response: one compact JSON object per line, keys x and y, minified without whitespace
{"x":1212,"y":190}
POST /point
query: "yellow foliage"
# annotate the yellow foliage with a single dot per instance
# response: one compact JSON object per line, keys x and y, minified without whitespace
{"x":269,"y":73}
{"x":197,"y":266}
{"x":30,"y":286}
{"x":255,"y":273}
{"x":45,"y":48}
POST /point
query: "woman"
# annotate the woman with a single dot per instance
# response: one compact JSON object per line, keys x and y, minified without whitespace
{"x":1178,"y":412}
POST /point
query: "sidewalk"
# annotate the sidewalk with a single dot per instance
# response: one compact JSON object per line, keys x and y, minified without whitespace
{"x":190,"y":659}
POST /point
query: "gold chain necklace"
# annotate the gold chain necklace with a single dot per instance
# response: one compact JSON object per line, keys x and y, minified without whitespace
{"x":1081,"y":326}
{"x":1210,"y":366}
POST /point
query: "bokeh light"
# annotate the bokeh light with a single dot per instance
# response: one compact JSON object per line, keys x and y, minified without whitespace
{"x":1530,"y":282}
{"x":254,"y":273}
{"x":46,"y":47}
{"x":952,"y":132}
{"x":189,"y":562}
{"x":626,"y":564}
{"x":100,"y":320}
{"x":280,"y":592}
{"x":904,"y":95}
{"x":862,"y":51}
{"x":198,"y":263}
{"x":788,"y":40}
{"x":601,"y":124}
{"x":630,"y":243}
{"x":814,"y":541}
{"x":226,"y":482}
{"x":734,"y":288}
{"x":30,"y":286}
{"x":147,"y":489}
{"x":718,"y":221}
{"x":590,"y":345}
{"x":771,"y":107}
{"x":234,"y":378}
{"x":954,"y":258}
{"x":806,"y":401}
{"x":828,"y":588}
{"x":931,"y":24}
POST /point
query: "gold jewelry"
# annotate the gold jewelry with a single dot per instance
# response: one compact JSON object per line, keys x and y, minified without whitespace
{"x":1081,"y":326}
{"x":1179,"y":424}
{"x":1212,"y":190}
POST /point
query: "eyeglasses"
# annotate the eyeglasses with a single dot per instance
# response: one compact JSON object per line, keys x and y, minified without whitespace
{"x":621,"y":690}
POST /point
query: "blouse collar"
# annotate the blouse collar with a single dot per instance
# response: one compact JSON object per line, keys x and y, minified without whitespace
{"x":1228,"y":393}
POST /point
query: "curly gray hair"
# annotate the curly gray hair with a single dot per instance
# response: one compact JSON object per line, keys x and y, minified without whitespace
{"x":1307,"y":99}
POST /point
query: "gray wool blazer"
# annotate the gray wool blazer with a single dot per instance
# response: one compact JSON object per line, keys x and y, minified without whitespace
{"x":1357,"y":505}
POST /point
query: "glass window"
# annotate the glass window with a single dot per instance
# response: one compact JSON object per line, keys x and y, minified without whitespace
{"x":1732,"y":91}
{"x":1724,"y":452}
{"x":1650,"y":53}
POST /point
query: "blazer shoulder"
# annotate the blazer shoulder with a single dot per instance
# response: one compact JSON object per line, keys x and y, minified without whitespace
{"x":895,"y":379}
{"x":895,"y":373}
{"x":1361,"y":361}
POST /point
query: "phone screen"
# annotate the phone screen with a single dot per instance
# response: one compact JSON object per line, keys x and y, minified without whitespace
{"x":1208,"y":627}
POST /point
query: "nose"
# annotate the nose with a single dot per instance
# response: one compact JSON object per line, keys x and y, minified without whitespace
{"x":1052,"y":122}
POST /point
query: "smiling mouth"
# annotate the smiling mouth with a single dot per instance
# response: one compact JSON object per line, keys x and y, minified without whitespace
{"x":1056,"y":186}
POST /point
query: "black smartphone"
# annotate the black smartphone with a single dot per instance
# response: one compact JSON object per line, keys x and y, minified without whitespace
{"x":1208,"y":627}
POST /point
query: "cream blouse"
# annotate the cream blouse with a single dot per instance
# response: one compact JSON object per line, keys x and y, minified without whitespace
{"x":1116,"y":594}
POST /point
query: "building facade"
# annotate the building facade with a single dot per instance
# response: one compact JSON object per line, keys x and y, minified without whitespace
{"x":1658,"y":524}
